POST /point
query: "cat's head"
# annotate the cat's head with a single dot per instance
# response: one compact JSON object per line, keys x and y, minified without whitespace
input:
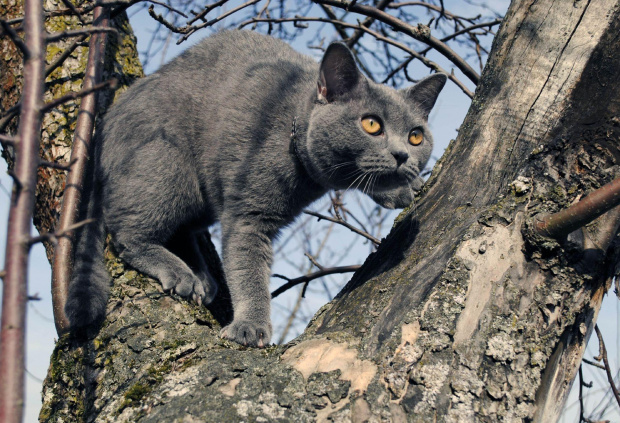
{"x":368,"y":136}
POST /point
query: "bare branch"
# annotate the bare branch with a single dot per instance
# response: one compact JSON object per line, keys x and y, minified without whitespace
{"x":429,"y":63}
{"x":54,"y":165}
{"x":7,"y":140}
{"x":366,"y":24}
{"x":75,"y":11}
{"x":78,"y":33}
{"x":562,"y":223}
{"x":112,"y":83}
{"x":10,"y":32}
{"x":346,"y":225}
{"x":603,"y":355}
{"x":593,"y":363}
{"x":216,"y":20}
{"x":15,"y":286}
{"x":54,"y":236}
{"x":63,"y":56}
{"x":421,"y":33}
{"x":307,"y":278}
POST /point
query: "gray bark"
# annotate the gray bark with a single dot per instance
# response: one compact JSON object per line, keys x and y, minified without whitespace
{"x":463,"y":314}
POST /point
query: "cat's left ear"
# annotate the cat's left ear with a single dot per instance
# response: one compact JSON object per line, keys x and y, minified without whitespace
{"x":426,"y":91}
{"x":338,"y":74}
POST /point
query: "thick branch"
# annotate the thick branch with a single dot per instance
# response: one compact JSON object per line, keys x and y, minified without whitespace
{"x":562,"y":223}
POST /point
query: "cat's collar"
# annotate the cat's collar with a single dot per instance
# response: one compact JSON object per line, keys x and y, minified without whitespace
{"x":294,"y":139}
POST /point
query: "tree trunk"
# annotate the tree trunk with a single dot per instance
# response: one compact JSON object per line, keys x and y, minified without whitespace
{"x":463,"y":314}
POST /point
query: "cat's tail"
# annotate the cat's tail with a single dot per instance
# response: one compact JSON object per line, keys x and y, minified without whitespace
{"x":90,"y":282}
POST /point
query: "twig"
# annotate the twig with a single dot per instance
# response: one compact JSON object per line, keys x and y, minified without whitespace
{"x":54,"y":165}
{"x":54,"y":236}
{"x":429,"y":63}
{"x":9,"y":115}
{"x":593,"y":363}
{"x":603,"y":355}
{"x":346,"y":225}
{"x":216,"y":20}
{"x":582,"y":418}
{"x":7,"y":140}
{"x":562,"y":223}
{"x":307,"y":278}
{"x":206,"y":10}
{"x":63,"y":56}
{"x":420,"y":33}
{"x":366,"y":24}
{"x":112,"y":83}
{"x":78,"y":33}
{"x":313,"y":261}
{"x":75,"y":11}
{"x":14,"y":37}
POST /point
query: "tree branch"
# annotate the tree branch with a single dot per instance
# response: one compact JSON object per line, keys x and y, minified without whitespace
{"x":421,"y":33}
{"x":10,"y":32}
{"x":15,"y":287}
{"x":112,"y":83}
{"x":307,"y":278}
{"x":54,"y":236}
{"x":560,"y":224}
{"x":346,"y":225}
{"x":78,"y":33}
{"x":603,"y":355}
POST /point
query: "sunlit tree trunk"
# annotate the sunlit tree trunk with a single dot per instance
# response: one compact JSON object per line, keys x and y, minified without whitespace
{"x":463,"y":314}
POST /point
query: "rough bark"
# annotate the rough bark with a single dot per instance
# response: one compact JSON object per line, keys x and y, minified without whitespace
{"x":463,"y":314}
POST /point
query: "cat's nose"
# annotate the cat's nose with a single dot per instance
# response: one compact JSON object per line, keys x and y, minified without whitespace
{"x":401,"y":156}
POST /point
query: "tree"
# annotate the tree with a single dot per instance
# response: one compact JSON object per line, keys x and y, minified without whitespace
{"x":464,"y":313}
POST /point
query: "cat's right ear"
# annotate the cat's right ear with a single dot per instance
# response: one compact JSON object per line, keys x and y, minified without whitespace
{"x":338,"y":74}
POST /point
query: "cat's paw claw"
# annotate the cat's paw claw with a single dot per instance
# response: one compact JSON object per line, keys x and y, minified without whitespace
{"x":248,"y":333}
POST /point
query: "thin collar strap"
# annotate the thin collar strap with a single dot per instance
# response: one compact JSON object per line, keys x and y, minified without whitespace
{"x":294,"y":139}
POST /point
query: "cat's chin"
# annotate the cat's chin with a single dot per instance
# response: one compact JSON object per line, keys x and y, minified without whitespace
{"x":398,"y":198}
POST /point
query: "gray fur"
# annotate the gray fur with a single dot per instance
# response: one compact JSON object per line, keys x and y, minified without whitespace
{"x":208,"y":138}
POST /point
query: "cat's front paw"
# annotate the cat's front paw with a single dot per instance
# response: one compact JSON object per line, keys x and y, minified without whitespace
{"x":205,"y":289}
{"x":253,"y":334}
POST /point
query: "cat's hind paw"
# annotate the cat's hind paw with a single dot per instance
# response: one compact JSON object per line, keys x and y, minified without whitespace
{"x":253,"y":334}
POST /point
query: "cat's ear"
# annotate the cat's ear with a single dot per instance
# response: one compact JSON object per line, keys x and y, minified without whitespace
{"x":338,"y":74}
{"x":426,"y":91}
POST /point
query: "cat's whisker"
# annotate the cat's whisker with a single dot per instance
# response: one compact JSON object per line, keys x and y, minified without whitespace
{"x":332,"y":169}
{"x":355,"y":180}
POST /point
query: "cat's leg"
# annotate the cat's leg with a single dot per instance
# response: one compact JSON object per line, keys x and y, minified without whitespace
{"x":157,"y":261}
{"x":186,"y":247}
{"x":247,"y":256}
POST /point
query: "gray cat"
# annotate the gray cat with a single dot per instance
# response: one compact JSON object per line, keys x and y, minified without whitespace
{"x":208,"y":138}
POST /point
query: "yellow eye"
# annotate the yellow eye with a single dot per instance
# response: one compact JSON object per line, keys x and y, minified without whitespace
{"x":372,"y":125}
{"x":416,"y":137}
